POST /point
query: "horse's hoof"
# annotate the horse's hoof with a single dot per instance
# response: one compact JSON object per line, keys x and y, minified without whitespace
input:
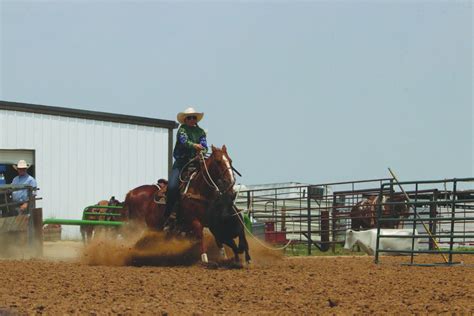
{"x":223,"y":253}
{"x":231,"y":264}
{"x":235,"y":265}
{"x":211,"y":265}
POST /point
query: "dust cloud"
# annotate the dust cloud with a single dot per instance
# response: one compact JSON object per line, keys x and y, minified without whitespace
{"x":136,"y":246}
{"x":152,"y":248}
{"x":14,"y":245}
{"x":149,"y":248}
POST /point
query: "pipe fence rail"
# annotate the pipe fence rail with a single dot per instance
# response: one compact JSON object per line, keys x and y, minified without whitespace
{"x":441,"y":212}
{"x":8,"y":207}
{"x":13,"y":220}
{"x":313,"y":215}
{"x":319,"y":215}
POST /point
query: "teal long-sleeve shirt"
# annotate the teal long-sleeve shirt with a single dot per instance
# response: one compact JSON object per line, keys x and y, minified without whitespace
{"x":186,"y":138}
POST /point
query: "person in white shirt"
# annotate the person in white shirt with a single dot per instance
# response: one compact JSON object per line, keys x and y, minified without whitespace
{"x":23,"y":178}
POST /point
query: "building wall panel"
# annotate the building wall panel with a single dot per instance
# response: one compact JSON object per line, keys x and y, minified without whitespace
{"x":80,"y":161}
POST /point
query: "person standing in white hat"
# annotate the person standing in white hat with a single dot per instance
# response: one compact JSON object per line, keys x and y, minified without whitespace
{"x":23,"y":178}
{"x":190,"y":140}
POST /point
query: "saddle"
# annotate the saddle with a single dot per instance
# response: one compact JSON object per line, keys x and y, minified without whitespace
{"x":160,"y":195}
{"x":184,"y":186}
{"x":187,"y":176}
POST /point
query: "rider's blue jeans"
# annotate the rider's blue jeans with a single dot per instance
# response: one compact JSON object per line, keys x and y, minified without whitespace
{"x":173,"y":190}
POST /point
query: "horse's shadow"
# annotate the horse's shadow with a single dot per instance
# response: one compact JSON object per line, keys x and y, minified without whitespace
{"x":162,"y":249}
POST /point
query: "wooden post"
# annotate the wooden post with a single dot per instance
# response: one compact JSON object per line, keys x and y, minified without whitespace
{"x":38,"y":231}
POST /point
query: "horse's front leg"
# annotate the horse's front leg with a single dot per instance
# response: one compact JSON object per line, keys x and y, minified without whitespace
{"x":244,"y":247}
{"x":235,"y":249}
{"x":198,"y":232}
{"x":221,"y":248}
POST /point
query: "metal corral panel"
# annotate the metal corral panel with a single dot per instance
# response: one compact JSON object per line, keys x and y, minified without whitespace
{"x":14,"y":224}
{"x":81,"y":161}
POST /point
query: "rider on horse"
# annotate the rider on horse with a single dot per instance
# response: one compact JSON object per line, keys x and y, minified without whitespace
{"x":190,"y":140}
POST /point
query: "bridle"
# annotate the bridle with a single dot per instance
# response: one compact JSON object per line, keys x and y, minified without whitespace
{"x":208,"y":178}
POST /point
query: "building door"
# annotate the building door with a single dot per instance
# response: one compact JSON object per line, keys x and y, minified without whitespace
{"x":10,"y":157}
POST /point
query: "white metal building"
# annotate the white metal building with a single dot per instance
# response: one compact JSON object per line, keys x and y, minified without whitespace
{"x":80,"y":157}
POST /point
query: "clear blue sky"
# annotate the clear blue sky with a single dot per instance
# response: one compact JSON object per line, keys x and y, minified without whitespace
{"x":299,"y":91}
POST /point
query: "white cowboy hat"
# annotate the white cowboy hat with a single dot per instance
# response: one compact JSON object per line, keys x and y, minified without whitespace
{"x":189,"y":112}
{"x":21,"y":165}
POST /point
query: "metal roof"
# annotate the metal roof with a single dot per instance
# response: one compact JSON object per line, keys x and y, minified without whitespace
{"x":85,"y":114}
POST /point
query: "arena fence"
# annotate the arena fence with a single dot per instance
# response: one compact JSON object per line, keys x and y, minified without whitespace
{"x":318,"y":216}
{"x":20,"y":229}
{"x":313,"y":215}
{"x":110,"y":218}
{"x":442,"y":215}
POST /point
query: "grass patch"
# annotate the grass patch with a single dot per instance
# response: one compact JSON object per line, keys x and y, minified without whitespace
{"x":302,"y":250}
{"x":460,"y":248}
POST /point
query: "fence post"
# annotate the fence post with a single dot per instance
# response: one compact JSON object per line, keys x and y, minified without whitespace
{"x":324,"y":221}
{"x":433,"y":214}
{"x":335,"y":215}
{"x":31,"y":227}
{"x":415,"y":216}
{"x":308,"y":201}
{"x":453,"y":215}
{"x":248,"y":204}
{"x":379,"y":215}
{"x":38,"y":231}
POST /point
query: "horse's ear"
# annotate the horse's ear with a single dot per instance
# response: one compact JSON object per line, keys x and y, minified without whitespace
{"x":213,"y":148}
{"x":224,"y":149}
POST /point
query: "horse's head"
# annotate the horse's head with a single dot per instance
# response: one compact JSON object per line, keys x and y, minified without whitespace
{"x":401,"y":209}
{"x":220,"y":169}
{"x":114,"y":202}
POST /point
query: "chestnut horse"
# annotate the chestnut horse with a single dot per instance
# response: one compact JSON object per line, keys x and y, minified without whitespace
{"x":146,"y":205}
{"x":364,"y":213}
{"x":88,"y":232}
{"x":214,"y":176}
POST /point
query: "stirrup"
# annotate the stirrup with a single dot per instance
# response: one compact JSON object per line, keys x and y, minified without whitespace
{"x":170,"y":222}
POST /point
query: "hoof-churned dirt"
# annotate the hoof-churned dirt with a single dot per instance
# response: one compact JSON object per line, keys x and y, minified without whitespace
{"x":101,"y":283}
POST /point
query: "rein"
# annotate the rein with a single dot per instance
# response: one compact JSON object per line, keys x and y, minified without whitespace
{"x":247,"y":231}
{"x":239,"y":215}
{"x":212,"y":183}
{"x":184,"y":168}
{"x":207,"y":178}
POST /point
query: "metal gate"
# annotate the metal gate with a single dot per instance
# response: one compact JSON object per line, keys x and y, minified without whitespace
{"x":441,"y":213}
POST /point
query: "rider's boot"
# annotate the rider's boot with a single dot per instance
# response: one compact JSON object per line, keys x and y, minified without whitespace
{"x":170,"y":222}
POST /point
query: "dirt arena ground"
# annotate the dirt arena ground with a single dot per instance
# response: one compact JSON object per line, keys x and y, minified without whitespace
{"x":96,"y":280}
